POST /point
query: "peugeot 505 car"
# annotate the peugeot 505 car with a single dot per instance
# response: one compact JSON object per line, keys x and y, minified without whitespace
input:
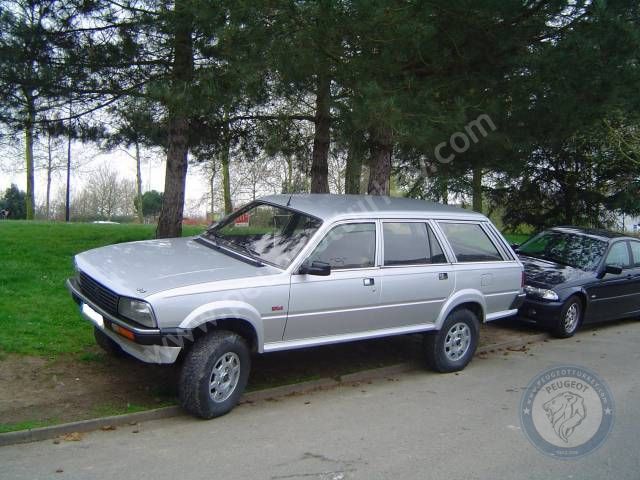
{"x":296,"y":271}
{"x":579,"y":275}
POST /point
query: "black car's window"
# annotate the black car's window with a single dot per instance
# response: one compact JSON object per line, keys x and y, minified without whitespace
{"x":267,"y":232}
{"x":635,"y":250}
{"x":410,"y":243}
{"x":351,"y":245}
{"x":619,"y":255}
{"x":566,"y":248}
{"x":470,"y":243}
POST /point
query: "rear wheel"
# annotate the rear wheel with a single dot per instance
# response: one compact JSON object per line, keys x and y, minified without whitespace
{"x":570,"y":318}
{"x":214,"y":374}
{"x":453,"y":347}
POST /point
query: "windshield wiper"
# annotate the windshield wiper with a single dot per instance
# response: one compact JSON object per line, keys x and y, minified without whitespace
{"x":255,"y":256}
{"x":229,"y":250}
{"x":249,"y":251}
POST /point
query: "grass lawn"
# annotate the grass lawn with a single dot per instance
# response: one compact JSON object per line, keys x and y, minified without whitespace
{"x":37,"y":314}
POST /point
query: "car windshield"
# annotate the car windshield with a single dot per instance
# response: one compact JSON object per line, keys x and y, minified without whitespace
{"x":267,"y":233}
{"x":578,"y":251}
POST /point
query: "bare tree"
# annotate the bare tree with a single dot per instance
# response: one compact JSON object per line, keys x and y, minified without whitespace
{"x":103,"y":186}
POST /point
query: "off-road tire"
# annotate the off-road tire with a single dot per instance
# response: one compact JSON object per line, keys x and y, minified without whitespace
{"x":197,"y":371}
{"x":437,"y":346}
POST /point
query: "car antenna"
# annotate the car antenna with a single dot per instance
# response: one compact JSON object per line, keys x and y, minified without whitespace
{"x":289,"y":201}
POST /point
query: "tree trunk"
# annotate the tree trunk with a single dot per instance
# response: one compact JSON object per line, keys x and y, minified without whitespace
{"x":321,"y":138}
{"x":67,"y":195}
{"x":28,"y":135}
{"x":353,"y":169}
{"x":170,"y":221}
{"x":477,"y":188}
{"x":49,"y":168}
{"x":212,"y":192}
{"x":380,"y":162}
{"x":139,"y":184}
{"x":226,"y":175}
{"x":289,"y":185}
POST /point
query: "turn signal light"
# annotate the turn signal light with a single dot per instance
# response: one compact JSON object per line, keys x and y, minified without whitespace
{"x":123,"y":331}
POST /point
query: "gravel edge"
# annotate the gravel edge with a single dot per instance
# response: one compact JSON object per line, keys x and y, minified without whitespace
{"x":82,"y":426}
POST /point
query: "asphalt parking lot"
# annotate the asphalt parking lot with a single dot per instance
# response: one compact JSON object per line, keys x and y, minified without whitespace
{"x":413,"y":425}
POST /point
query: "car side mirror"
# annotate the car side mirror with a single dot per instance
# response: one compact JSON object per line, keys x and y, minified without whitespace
{"x":322,"y":269}
{"x":515,"y":246}
{"x":612,"y":269}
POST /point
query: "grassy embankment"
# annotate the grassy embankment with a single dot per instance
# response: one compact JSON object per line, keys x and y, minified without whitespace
{"x":37,"y":314}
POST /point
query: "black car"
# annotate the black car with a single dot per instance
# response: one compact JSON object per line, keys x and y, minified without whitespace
{"x":577,"y":275}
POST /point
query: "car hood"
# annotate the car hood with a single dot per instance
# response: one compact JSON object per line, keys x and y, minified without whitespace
{"x":544,"y":273}
{"x":140,"y":269}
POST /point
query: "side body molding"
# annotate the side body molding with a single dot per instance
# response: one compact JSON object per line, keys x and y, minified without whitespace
{"x":225,"y":309}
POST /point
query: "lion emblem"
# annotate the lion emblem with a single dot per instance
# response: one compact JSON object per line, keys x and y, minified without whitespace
{"x":565,"y":411}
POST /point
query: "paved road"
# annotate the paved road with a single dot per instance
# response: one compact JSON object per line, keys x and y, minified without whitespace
{"x":417,"y":426}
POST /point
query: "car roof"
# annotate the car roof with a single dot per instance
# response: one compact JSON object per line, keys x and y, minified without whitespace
{"x":329,"y":206}
{"x":598,"y":233}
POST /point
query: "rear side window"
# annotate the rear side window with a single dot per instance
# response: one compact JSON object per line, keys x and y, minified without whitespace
{"x":619,"y":255}
{"x":351,"y":245}
{"x":410,"y":243}
{"x":470,"y":243}
{"x":635,"y":250}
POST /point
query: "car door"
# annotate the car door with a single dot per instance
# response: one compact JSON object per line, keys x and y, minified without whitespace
{"x":482,"y":265}
{"x":611,"y":296}
{"x":345,"y":301}
{"x":416,"y":276}
{"x":634,"y":274}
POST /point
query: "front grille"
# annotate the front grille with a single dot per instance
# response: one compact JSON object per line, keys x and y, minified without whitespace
{"x":99,"y":294}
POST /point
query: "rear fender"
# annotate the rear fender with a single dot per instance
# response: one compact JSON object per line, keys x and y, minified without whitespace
{"x":459,"y":298}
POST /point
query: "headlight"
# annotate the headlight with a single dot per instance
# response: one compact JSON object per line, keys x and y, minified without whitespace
{"x":541,"y":293}
{"x":137,"y":310}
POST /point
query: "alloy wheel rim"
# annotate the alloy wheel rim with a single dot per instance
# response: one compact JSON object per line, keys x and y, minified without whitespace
{"x":224,"y":377}
{"x":571,"y":318}
{"x":457,"y":341}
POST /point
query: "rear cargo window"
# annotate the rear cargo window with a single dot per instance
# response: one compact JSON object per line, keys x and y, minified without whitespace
{"x":470,"y":243}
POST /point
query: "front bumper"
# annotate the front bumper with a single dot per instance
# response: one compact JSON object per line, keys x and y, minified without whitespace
{"x":147,"y":345}
{"x":541,"y":311}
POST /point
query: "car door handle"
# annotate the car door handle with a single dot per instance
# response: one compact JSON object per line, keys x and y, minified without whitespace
{"x":368,"y":282}
{"x":443,"y":276}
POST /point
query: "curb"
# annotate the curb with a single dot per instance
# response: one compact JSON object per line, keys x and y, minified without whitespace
{"x":83,"y":426}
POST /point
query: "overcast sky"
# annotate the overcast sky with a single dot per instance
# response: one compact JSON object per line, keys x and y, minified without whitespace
{"x":90,"y":159}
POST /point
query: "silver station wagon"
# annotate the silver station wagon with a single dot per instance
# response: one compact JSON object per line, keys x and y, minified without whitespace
{"x":295,"y":271}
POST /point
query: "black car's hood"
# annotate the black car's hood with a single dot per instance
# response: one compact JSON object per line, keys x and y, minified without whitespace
{"x":543,"y":273}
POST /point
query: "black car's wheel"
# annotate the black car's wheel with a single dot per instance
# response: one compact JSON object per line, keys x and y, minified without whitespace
{"x":214,"y":374}
{"x":453,"y":347}
{"x":569,"y":319}
{"x":107,"y":344}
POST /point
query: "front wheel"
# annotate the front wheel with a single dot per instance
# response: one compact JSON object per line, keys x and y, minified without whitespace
{"x":214,"y":374}
{"x":569,"y":320}
{"x":453,"y":347}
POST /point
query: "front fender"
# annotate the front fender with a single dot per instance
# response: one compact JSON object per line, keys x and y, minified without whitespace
{"x":463,"y":296}
{"x":226,"y":309}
